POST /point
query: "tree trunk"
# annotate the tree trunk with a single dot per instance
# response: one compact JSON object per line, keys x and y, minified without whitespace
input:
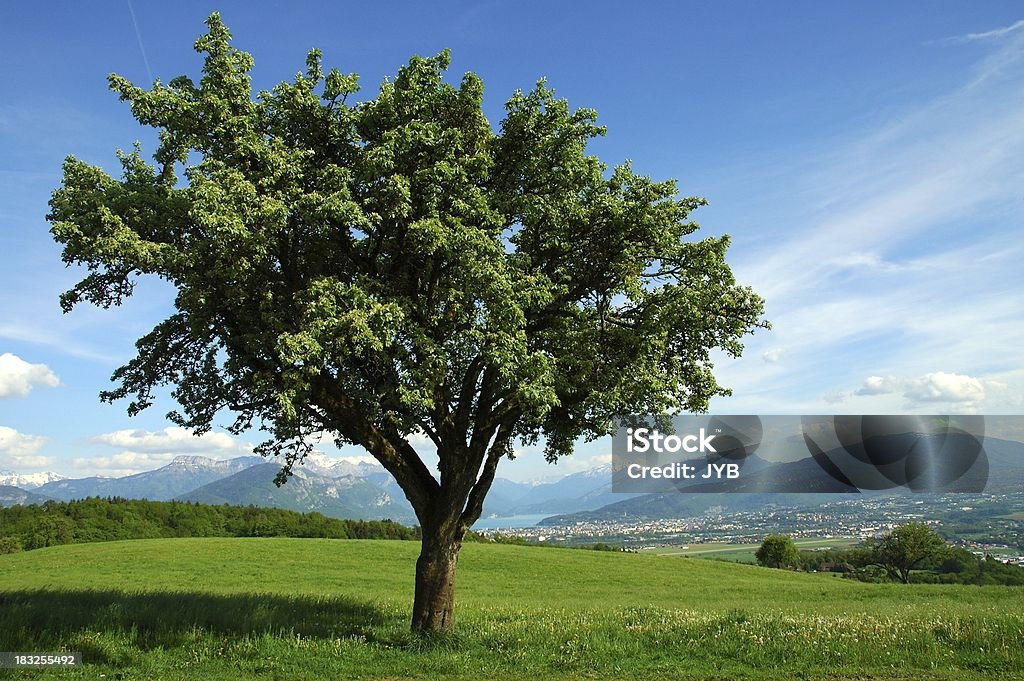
{"x":434,"y":603}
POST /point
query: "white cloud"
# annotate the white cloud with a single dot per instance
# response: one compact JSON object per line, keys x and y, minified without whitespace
{"x":575,"y":464}
{"x":145,"y":450}
{"x":18,"y":377}
{"x":122,"y":463}
{"x":174,"y":440}
{"x":18,"y":450}
{"x":773,"y":354}
{"x":958,"y":391}
{"x":420,"y":441}
{"x":879,"y":385}
{"x":942,"y":387}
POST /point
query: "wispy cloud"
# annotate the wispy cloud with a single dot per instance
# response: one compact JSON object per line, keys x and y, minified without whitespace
{"x":902,"y":257}
{"x":47,"y":338}
{"x":986,"y":35}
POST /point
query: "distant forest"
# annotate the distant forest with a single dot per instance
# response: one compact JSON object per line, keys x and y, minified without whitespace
{"x":23,"y":528}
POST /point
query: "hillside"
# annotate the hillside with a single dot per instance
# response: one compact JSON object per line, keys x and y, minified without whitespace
{"x":183,"y":474}
{"x":14,"y":496}
{"x":312,"y":609}
{"x":345,"y":496}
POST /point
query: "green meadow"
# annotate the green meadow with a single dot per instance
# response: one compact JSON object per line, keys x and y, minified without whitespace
{"x":744,"y":553}
{"x":328,"y":609}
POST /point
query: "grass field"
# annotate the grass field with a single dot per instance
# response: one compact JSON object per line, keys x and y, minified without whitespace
{"x":326,"y":609}
{"x":743,"y":553}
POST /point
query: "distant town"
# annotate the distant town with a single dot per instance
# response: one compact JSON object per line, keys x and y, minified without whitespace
{"x":984,"y":524}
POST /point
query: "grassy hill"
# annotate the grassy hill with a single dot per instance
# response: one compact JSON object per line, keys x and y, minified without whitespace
{"x":319,"y":609}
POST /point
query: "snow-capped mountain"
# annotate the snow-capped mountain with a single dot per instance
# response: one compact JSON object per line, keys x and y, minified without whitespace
{"x":337,"y":468}
{"x":334,"y":486}
{"x":29,"y":480}
{"x":183,"y":474}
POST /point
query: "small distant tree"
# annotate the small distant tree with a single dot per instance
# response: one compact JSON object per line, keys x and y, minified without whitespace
{"x":778,"y":551}
{"x":904,"y":549}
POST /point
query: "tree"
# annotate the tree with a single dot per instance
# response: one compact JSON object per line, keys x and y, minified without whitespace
{"x":904,"y":549}
{"x":396,"y":267}
{"x":778,"y":551}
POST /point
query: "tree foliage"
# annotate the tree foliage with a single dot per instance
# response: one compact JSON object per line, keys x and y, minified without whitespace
{"x":904,"y":549}
{"x":395,"y":266}
{"x":778,"y":551}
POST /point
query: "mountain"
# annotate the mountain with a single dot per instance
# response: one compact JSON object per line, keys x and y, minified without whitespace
{"x":343,"y":489}
{"x":337,"y":488}
{"x":29,"y":481}
{"x":307,"y":490}
{"x":800,"y":483}
{"x":337,"y":468}
{"x":76,"y":488}
{"x":1006,"y":466}
{"x":366,"y":491}
{"x":183,"y":474}
{"x":684,"y":505}
{"x":580,"y":491}
{"x":13,"y":496}
{"x":504,"y":496}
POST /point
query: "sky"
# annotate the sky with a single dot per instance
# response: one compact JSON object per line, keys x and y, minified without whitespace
{"x":866,"y":159}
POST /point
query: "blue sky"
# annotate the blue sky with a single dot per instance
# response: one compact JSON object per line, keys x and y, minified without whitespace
{"x":866,"y":158}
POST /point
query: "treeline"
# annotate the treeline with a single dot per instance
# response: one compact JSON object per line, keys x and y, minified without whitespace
{"x":110,"y":519}
{"x":957,"y":566}
{"x":912,"y":553}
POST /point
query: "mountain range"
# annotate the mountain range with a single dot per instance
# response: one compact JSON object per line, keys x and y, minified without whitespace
{"x":364,"y":490}
{"x":29,"y":481}
{"x":788,"y":484}
{"x":336,"y":488}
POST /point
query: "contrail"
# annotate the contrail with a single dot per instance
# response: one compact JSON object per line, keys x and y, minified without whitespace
{"x":138,"y":35}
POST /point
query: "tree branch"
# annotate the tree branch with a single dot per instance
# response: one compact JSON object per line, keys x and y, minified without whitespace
{"x":475,"y":503}
{"x":402,"y":461}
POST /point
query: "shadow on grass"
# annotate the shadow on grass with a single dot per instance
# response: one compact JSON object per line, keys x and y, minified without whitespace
{"x":166,"y":619}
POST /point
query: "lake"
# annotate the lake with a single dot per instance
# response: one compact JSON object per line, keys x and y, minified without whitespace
{"x":510,"y":522}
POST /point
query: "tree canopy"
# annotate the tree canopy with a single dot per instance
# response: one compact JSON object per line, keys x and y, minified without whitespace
{"x":903,"y":549}
{"x":778,"y":551}
{"x":396,"y":266}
